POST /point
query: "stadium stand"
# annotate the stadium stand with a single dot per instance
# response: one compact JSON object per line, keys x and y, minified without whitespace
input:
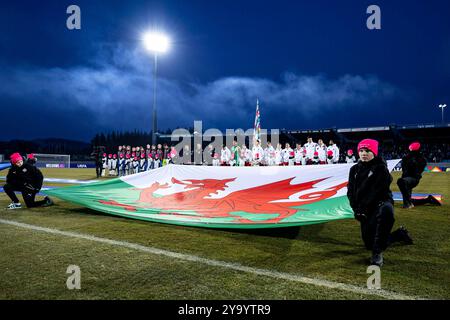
{"x":394,"y":139}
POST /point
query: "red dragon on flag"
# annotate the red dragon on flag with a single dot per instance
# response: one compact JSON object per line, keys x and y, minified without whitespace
{"x":257,"y":200}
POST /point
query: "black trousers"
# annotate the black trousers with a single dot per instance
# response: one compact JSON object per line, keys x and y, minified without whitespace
{"x":406,"y":185}
{"x":98,"y":169}
{"x":376,"y":229}
{"x":28,"y":196}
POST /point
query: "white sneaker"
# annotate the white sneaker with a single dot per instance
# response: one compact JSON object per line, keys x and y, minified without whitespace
{"x":13,"y":206}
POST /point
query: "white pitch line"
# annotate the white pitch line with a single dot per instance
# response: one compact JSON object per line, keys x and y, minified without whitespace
{"x":217,"y":263}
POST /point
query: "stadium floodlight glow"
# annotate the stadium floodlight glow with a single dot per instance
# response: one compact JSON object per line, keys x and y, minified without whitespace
{"x":156,"y":42}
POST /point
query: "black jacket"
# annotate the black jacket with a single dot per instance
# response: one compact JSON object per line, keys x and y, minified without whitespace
{"x":25,"y":176}
{"x":97,"y":156}
{"x":368,"y":185}
{"x":413,"y":165}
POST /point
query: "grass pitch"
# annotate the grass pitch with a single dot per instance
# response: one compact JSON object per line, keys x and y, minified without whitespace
{"x":33,"y":264}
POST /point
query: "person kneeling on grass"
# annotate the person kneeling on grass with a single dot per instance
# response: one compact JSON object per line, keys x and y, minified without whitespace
{"x":413,"y":165}
{"x":27,"y":179}
{"x":372,"y":203}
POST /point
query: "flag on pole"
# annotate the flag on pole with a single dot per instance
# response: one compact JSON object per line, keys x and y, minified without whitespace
{"x":257,"y":125}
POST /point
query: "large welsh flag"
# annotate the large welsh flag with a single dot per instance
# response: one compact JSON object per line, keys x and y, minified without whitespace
{"x":223,"y":197}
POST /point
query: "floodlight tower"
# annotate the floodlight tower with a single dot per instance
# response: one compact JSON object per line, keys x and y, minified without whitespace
{"x":442,"y":106}
{"x":155,"y":43}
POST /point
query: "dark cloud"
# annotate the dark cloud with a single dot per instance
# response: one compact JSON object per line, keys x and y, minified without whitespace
{"x":115,"y":92}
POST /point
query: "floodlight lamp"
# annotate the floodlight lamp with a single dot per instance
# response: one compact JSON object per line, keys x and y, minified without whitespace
{"x":156,"y":42}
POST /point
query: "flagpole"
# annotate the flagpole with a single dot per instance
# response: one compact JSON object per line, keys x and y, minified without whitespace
{"x":257,"y":123}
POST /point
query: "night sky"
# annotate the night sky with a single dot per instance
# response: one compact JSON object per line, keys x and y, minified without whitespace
{"x":311,"y":64}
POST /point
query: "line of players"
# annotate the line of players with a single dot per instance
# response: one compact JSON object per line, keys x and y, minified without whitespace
{"x":310,"y":153}
{"x":130,"y":160}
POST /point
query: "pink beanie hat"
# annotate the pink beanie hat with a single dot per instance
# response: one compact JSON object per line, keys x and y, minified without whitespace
{"x":415,"y":146}
{"x":370,"y":144}
{"x":15,"y":157}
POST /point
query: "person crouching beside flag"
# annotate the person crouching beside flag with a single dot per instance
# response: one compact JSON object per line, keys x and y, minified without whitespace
{"x":372,"y":203}
{"x":27,"y":179}
{"x":31,"y":159}
{"x":413,"y":165}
